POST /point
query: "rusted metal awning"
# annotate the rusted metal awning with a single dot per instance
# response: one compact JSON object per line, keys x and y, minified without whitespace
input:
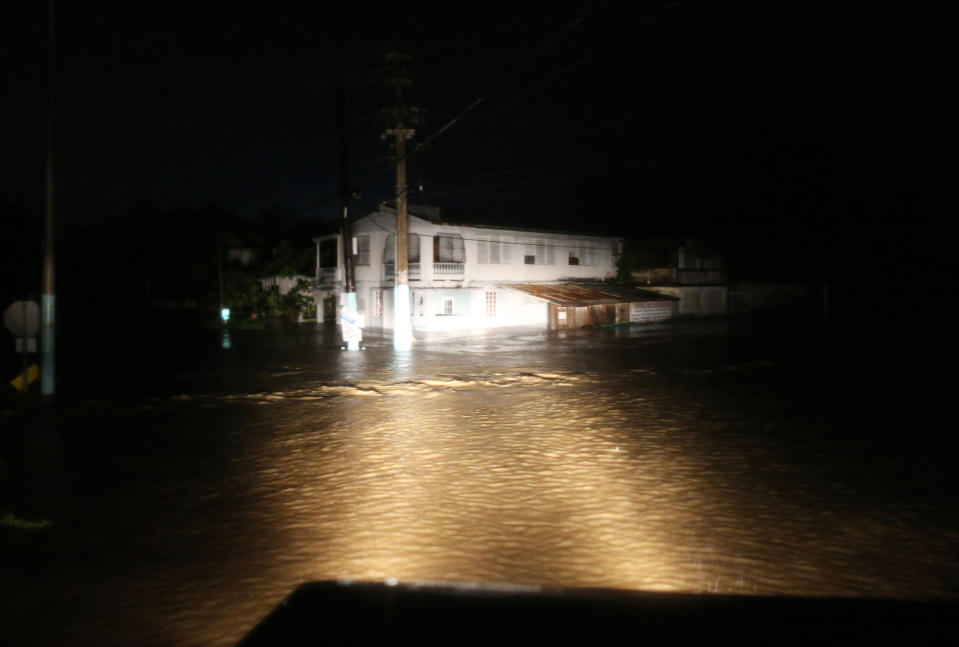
{"x":581,"y":294}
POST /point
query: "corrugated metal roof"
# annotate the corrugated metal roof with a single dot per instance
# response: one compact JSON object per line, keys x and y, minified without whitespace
{"x":582,"y":294}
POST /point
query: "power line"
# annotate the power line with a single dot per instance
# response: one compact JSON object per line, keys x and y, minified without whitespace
{"x":552,"y":178}
{"x":545,"y":47}
{"x":542,"y":82}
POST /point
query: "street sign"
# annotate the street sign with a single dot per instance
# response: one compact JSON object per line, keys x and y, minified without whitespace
{"x":352,"y":323}
{"x":31,"y":375}
{"x":22,"y":319}
{"x":29,"y":347}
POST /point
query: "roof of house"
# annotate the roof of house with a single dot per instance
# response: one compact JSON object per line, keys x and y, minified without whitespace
{"x":586,"y":294}
{"x":466,"y":218}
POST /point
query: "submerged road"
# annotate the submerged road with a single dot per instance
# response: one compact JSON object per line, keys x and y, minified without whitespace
{"x":675,"y":458}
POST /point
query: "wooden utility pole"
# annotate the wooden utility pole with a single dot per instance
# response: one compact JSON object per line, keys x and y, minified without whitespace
{"x":402,"y":325}
{"x":350,"y":335}
{"x":346,"y":191}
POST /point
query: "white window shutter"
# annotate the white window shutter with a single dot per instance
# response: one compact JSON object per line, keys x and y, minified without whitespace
{"x":389,"y":250}
{"x":482,"y":251}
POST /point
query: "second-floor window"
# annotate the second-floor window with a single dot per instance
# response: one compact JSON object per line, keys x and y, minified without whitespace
{"x":582,"y":254}
{"x":361,"y":253}
{"x":539,"y":251}
{"x":494,"y":251}
{"x":328,"y":254}
{"x":412,"y":249}
{"x":448,"y":248}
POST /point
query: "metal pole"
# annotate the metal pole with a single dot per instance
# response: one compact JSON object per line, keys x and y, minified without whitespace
{"x":47,"y":376}
{"x":219,"y":262}
{"x":25,"y":340}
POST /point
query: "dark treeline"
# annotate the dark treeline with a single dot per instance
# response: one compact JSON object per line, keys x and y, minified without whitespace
{"x":148,"y":260}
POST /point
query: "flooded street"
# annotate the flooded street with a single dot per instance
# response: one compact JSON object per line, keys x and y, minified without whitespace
{"x":672,"y":458}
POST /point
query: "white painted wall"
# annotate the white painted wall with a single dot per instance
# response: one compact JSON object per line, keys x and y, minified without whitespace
{"x":702,"y":300}
{"x":512,"y":308}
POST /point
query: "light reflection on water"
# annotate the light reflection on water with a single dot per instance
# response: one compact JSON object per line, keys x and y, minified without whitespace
{"x":438,"y":465}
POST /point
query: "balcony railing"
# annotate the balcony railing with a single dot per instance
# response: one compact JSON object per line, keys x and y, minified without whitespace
{"x":389,"y":272}
{"x":326,"y":275}
{"x":448,"y":269}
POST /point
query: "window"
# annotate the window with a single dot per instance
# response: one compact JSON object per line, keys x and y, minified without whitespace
{"x":447,"y":305}
{"x":389,"y":250}
{"x":587,"y":255}
{"x":448,"y":248}
{"x":584,"y":253}
{"x":328,"y":253}
{"x":412,"y":249}
{"x":378,"y":303}
{"x":493,"y":251}
{"x":491,"y":304}
{"x":539,"y":252}
{"x":361,"y":250}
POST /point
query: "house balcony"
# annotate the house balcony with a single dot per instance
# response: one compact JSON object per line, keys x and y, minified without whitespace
{"x":389,"y":272}
{"x":448,"y":270}
{"x":326,"y":276}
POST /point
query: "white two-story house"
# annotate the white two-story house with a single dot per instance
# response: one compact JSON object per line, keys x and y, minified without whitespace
{"x":462,"y":275}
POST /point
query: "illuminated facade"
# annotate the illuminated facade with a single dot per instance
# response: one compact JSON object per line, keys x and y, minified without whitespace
{"x":459,"y":271}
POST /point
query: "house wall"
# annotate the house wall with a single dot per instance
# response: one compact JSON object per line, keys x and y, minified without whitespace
{"x":701,"y":300}
{"x":469,"y":309}
{"x":378,"y":227}
{"x":651,"y":311}
{"x":562,"y":317}
{"x":469,"y":290}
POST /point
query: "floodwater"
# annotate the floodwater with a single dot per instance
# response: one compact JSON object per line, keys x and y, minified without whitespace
{"x":673,"y":458}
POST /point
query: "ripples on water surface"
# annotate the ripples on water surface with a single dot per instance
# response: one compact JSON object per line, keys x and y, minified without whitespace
{"x":584,"y":461}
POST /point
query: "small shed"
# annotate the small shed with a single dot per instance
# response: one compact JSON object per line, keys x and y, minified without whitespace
{"x":577,"y":305}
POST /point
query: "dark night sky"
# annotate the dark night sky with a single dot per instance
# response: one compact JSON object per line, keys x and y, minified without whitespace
{"x":714,"y":117}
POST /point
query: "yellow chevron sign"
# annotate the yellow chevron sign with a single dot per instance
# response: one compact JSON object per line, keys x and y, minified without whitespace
{"x":33,"y":372}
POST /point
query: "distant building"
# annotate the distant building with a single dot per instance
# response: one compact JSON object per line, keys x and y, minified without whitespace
{"x":465,"y":272}
{"x":243,"y":255}
{"x":237,"y":250}
{"x":691,"y":269}
{"x":282,"y":284}
{"x":694,"y":271}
